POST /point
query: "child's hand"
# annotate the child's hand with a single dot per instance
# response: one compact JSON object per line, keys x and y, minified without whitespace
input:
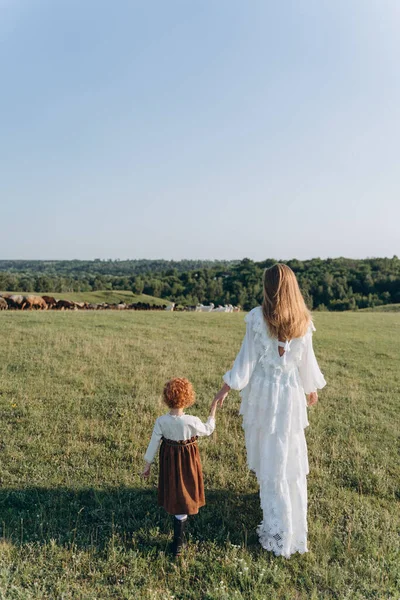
{"x":146,"y":471}
{"x":312,"y":398}
{"x":214,"y":403}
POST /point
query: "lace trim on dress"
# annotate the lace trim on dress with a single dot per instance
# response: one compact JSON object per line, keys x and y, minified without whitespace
{"x":275,"y":531}
{"x":273,"y":539}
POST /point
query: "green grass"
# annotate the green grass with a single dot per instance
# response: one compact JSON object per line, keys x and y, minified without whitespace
{"x":79,"y":395}
{"x":110,"y":296}
{"x":384,"y":308}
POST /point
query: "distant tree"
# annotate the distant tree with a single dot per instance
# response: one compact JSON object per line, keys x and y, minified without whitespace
{"x":138,"y":285}
{"x":339,"y":284}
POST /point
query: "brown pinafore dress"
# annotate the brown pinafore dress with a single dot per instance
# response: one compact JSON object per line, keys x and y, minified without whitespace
{"x":180,"y":481}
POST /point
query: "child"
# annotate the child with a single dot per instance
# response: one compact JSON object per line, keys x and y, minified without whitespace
{"x":180,"y":482}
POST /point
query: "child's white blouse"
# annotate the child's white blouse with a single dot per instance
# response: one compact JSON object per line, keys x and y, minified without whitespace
{"x":177,"y":428}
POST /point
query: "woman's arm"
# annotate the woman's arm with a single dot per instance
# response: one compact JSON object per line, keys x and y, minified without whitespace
{"x":310,"y":373}
{"x":238,"y":377}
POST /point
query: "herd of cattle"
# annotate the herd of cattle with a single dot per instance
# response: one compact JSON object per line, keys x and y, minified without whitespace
{"x":30,"y":302}
{"x":19,"y":302}
{"x":211,"y":308}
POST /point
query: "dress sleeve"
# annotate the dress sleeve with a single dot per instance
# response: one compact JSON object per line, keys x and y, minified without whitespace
{"x":154,"y":443}
{"x":238,"y":377}
{"x":310,"y":373}
{"x":204,"y":428}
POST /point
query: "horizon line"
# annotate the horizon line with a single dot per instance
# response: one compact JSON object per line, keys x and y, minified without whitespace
{"x":221,"y":260}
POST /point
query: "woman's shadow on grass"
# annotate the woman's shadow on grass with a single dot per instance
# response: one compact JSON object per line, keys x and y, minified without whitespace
{"x":94,"y":518}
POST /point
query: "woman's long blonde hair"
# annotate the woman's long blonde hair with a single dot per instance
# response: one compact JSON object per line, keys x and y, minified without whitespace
{"x":284,"y":309}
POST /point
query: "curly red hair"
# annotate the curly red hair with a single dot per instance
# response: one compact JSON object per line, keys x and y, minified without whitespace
{"x":178,"y":393}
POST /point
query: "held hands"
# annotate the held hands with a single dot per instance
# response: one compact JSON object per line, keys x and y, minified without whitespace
{"x":221,"y":395}
{"x":312,"y":399}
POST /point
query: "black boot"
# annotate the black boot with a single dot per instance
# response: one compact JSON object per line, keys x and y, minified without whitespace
{"x":179,"y":536}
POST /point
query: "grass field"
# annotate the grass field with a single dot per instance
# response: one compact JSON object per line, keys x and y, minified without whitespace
{"x":384,"y":308}
{"x":79,"y":393}
{"x":110,"y":296}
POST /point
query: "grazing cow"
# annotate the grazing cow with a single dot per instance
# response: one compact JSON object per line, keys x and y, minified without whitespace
{"x":3,"y":304}
{"x":202,"y":308}
{"x":171,"y":306}
{"x":65,"y":305}
{"x":34,"y":302}
{"x":134,"y":306}
{"x":143,"y":306}
{"x":219,"y":309}
{"x":15,"y":301}
{"x":50,"y":301}
{"x":140,"y":306}
{"x":80,"y":305}
{"x":121,"y":306}
{"x":236,"y":309}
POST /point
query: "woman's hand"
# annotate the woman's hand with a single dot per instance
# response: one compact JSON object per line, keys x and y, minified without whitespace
{"x":312,"y":399}
{"x":146,"y":471}
{"x":222,"y":394}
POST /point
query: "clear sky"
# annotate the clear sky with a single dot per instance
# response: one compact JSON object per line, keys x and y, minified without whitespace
{"x":199,"y":128}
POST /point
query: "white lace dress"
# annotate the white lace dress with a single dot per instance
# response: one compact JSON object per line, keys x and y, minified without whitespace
{"x":274,"y":410}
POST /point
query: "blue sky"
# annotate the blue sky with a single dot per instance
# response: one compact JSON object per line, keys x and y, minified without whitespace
{"x":199,"y":129}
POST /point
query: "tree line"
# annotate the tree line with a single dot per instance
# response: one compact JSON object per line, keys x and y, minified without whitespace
{"x":327,"y":284}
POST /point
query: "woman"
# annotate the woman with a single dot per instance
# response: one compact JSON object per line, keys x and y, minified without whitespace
{"x":274,"y":369}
